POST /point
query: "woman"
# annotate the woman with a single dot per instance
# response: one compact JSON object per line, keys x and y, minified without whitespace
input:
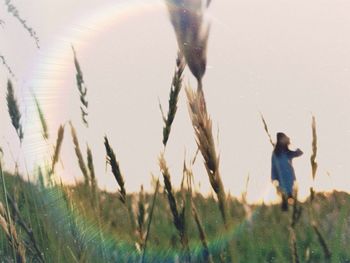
{"x":282,"y":169}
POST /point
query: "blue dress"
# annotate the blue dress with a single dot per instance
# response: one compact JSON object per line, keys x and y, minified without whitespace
{"x":283,"y":171}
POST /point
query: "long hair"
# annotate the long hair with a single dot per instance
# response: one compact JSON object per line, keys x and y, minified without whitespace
{"x":280,"y":147}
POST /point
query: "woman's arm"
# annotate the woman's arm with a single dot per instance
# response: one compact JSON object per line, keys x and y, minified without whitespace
{"x":296,"y":153}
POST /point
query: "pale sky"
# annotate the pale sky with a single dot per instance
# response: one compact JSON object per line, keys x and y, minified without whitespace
{"x":288,"y":59}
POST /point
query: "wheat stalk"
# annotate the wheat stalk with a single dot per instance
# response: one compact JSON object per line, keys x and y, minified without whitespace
{"x":178,"y":216}
{"x":6,"y":65}
{"x":267,"y":129}
{"x":111,"y":159}
{"x":45,"y":130}
{"x":56,"y":154}
{"x":205,"y":141}
{"x":13,"y":110}
{"x":92,"y":176}
{"x":82,"y":89}
{"x":326,"y":251}
{"x":14,"y":11}
{"x":175,"y":89}
{"x":313,"y":162}
{"x":79,"y":155}
{"x":141,"y":217}
{"x":187,"y":18}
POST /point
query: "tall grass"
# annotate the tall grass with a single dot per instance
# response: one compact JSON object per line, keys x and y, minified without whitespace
{"x":11,"y":8}
{"x":82,"y":89}
{"x":11,"y":234}
{"x":207,"y":257}
{"x":178,"y":214}
{"x":14,"y":111}
{"x":112,"y":160}
{"x":56,"y":155}
{"x":43,"y":122}
{"x":6,"y":216}
{"x":192,"y":32}
{"x":6,"y":65}
{"x":82,"y":223}
{"x":114,"y":164}
{"x":147,"y":234}
{"x":79,"y":155}
{"x":327,"y":252}
{"x":267,"y":129}
{"x":175,"y":89}
{"x":92,"y":176}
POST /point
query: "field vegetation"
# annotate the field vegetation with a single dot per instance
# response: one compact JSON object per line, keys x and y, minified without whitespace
{"x":44,"y":220}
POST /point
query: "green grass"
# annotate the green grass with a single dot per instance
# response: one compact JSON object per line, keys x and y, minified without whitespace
{"x":68,"y":229}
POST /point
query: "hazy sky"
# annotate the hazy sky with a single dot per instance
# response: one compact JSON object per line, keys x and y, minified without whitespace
{"x":288,"y":59}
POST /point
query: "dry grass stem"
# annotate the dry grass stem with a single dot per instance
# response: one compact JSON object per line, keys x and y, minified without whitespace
{"x":326,"y":251}
{"x":314,"y":148}
{"x":267,"y":129}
